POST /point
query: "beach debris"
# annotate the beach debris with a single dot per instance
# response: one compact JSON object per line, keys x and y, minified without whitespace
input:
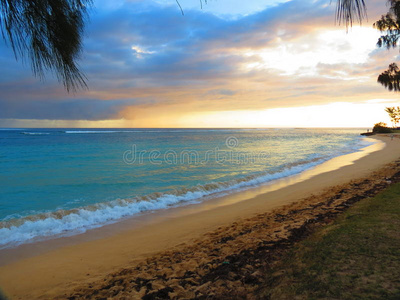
{"x":229,"y":262}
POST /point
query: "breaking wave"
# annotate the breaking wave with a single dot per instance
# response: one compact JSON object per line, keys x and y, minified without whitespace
{"x":35,"y":133}
{"x":147,"y":131}
{"x":68,"y":222}
{"x":15,"y":231}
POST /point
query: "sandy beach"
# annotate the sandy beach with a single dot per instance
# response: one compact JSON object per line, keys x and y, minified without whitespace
{"x":178,"y":252}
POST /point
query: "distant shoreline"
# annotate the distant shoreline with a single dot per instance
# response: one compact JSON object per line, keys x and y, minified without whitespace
{"x":66,"y":267}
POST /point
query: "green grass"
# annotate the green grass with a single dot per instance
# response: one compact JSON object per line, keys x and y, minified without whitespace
{"x":357,"y":257}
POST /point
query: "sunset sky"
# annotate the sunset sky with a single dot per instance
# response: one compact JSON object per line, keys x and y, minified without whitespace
{"x":232,"y":63}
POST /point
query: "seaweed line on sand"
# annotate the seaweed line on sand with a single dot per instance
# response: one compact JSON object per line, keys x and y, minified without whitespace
{"x":229,"y":263}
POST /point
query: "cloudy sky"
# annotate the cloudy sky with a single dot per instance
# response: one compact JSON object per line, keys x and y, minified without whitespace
{"x":230,"y":63}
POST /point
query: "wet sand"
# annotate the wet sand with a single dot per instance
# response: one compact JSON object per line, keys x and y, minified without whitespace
{"x":82,"y":265}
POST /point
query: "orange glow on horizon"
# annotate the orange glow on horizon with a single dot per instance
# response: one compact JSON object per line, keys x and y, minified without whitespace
{"x":338,"y":114}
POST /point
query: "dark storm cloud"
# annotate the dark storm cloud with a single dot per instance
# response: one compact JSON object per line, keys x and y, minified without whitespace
{"x":69,"y":109}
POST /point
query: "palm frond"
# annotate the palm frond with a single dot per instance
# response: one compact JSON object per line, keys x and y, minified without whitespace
{"x":348,"y":11}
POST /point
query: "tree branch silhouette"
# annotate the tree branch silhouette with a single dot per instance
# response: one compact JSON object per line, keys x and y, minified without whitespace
{"x":49,"y":33}
{"x":390,"y":25}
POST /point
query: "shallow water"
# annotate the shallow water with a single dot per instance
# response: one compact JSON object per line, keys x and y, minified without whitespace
{"x":65,"y":181}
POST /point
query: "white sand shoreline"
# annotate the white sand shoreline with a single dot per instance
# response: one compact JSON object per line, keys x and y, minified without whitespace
{"x":42,"y":245}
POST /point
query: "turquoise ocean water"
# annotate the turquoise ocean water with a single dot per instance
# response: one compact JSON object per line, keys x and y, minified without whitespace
{"x":65,"y":181}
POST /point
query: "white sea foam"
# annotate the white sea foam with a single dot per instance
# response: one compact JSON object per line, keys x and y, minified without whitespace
{"x":92,"y":131}
{"x":148,"y":131}
{"x":67,"y":222}
{"x":76,"y":221}
{"x":35,"y":133}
